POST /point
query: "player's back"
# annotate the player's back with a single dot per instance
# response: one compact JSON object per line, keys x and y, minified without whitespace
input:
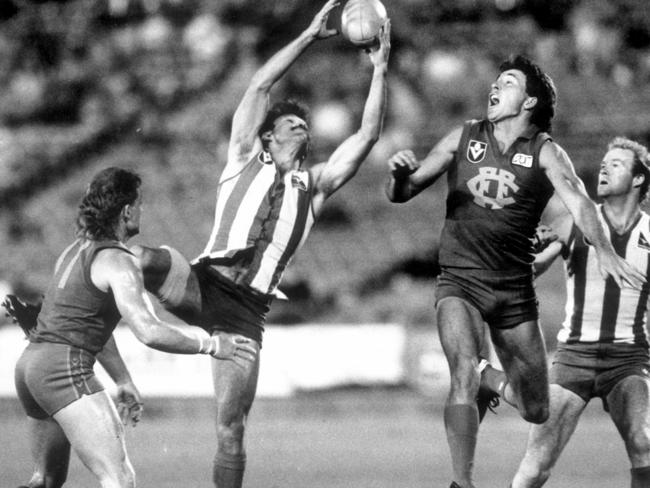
{"x":74,"y":310}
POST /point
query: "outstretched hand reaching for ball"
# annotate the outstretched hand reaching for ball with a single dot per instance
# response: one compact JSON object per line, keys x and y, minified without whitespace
{"x":318,"y":27}
{"x":379,"y":53}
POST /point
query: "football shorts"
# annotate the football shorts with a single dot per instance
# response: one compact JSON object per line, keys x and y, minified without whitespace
{"x":50,"y":376}
{"x":504,"y":299}
{"x":229,"y":307}
{"x":593,"y":370}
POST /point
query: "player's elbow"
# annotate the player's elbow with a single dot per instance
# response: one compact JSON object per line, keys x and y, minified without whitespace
{"x":145,"y":333}
{"x":259,"y":84}
{"x":368,"y":136}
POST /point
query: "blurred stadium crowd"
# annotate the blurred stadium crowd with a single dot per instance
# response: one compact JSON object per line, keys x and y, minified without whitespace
{"x":152,"y":84}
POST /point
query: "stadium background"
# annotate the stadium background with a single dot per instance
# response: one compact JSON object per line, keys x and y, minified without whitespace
{"x":152,"y":84}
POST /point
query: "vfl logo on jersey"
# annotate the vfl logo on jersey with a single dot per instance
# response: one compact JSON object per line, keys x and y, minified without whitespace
{"x":643,"y":243}
{"x":493,"y":188}
{"x":524,"y":160}
{"x":476,"y":151}
{"x":297,"y":182}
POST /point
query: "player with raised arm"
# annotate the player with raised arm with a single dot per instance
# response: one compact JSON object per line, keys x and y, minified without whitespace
{"x":96,"y":282}
{"x":266,"y":203}
{"x":501,"y":172}
{"x":603,"y":345}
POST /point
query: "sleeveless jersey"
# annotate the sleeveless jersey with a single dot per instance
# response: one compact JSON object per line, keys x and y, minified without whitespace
{"x":75,"y":311}
{"x":494,"y":200}
{"x":598,"y":310}
{"x":261,"y":219}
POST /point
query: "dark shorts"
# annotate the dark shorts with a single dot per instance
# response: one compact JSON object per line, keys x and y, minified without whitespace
{"x":229,"y":307}
{"x":503,"y":299}
{"x":593,"y":370}
{"x":50,"y":376}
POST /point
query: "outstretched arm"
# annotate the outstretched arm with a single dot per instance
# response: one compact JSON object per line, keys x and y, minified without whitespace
{"x":559,"y":170}
{"x":252,"y":109}
{"x":118,"y":271}
{"x":409,"y":176}
{"x":347,"y":158}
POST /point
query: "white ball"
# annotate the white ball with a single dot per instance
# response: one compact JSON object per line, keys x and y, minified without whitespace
{"x":361,"y":21}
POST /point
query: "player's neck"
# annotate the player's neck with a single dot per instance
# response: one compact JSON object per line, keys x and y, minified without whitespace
{"x":507,"y":131}
{"x":622,"y":211}
{"x":287,"y":158}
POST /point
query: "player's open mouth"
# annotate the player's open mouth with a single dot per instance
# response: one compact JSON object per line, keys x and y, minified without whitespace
{"x":493,"y":100}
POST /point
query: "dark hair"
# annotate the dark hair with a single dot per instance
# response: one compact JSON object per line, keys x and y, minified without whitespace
{"x":538,"y":85}
{"x":109,"y":191}
{"x":278,"y":109}
{"x":641,"y":161}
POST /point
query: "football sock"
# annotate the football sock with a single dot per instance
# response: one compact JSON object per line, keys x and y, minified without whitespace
{"x":461,"y":425}
{"x":640,"y":477}
{"x":228,"y":470}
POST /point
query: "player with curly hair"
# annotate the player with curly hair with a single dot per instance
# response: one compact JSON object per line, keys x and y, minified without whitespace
{"x":96,"y":282}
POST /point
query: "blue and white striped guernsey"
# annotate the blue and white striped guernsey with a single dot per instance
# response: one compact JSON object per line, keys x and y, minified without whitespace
{"x":597,"y":310}
{"x":263,"y":214}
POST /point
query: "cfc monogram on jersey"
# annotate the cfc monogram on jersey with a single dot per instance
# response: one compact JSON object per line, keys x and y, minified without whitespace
{"x":493,"y":188}
{"x":495,"y":200}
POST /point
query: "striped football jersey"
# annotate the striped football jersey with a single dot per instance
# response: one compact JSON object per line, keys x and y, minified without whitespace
{"x":597,"y":310}
{"x":263,"y":215}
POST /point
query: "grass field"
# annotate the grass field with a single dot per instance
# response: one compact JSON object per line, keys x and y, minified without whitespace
{"x":361,"y":438}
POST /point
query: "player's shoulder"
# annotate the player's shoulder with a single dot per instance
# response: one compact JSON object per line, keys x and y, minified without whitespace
{"x":239,"y":156}
{"x":115,"y":257}
{"x":455,"y":135}
{"x":551,"y":152}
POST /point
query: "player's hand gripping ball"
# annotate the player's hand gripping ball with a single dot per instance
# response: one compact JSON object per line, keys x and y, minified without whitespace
{"x":361,"y":21}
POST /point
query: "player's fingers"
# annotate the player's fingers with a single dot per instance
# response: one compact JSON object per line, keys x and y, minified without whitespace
{"x":401,"y":159}
{"x":123,"y":412}
{"x":634,"y":278}
{"x":385,"y":32}
{"x":244,"y":354}
{"x":249,"y":349}
{"x":239,"y":339}
{"x":136,"y":413}
{"x":327,"y":8}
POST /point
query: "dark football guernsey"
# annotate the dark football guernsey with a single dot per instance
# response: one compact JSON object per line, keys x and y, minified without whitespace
{"x":75,"y":311}
{"x":494,"y":201}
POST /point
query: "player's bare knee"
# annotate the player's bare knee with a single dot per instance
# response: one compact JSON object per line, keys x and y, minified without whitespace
{"x":230,"y":438}
{"x":464,"y":384}
{"x":535,"y":414}
{"x":637,"y":442}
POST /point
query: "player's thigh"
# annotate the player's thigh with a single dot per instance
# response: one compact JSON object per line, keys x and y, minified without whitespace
{"x":50,"y":447}
{"x":235,"y":385}
{"x":629,"y":407}
{"x":461,"y":330}
{"x":522,"y":353}
{"x":93,"y":427}
{"x":547,"y":440}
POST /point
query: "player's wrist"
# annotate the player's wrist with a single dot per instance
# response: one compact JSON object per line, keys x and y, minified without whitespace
{"x":124,"y":381}
{"x":207,"y":345}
